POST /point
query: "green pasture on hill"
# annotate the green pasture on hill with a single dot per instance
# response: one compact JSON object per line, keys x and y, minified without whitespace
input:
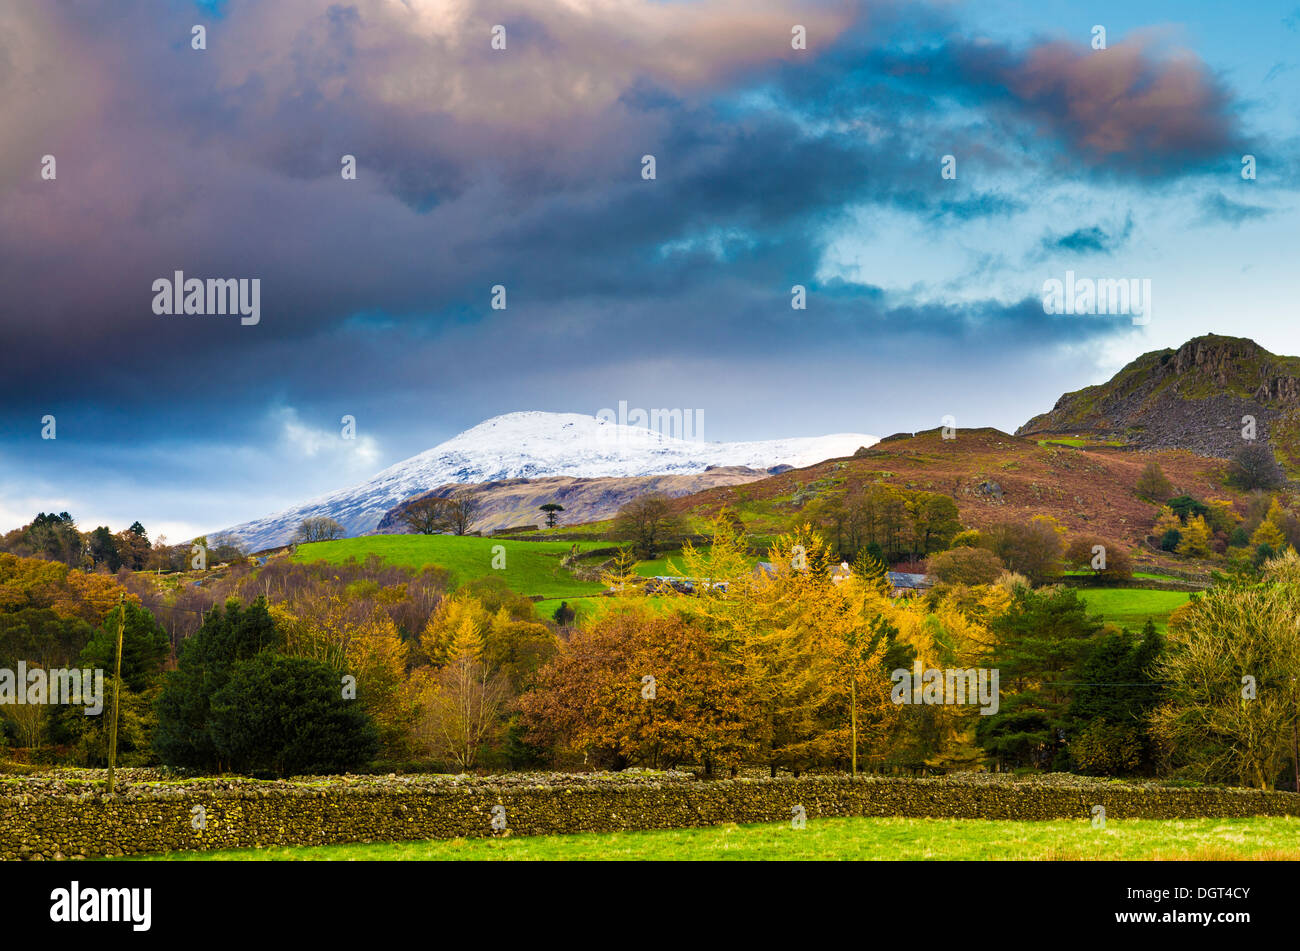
{"x":1131,"y":607}
{"x":844,"y":839}
{"x":531,"y":568}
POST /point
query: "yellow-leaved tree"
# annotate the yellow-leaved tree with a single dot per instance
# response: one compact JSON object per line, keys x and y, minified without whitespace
{"x":468,"y":702}
{"x":368,"y":648}
{"x":943,"y":632}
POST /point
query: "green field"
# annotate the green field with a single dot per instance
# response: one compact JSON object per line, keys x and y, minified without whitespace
{"x":531,"y":568}
{"x":840,"y":839}
{"x":1131,"y":607}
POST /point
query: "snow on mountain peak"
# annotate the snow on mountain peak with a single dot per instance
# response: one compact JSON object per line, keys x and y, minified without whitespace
{"x":531,"y":444}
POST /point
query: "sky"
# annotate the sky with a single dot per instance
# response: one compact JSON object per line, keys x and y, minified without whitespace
{"x":522,"y":167}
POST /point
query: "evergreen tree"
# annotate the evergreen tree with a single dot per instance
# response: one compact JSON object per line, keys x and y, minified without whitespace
{"x":227,"y":637}
{"x":145,"y":646}
{"x":1038,"y":645}
{"x":287,"y":716}
{"x":1116,"y":693}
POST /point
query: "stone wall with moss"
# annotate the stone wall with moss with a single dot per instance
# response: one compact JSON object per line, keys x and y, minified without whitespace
{"x":58,"y":822}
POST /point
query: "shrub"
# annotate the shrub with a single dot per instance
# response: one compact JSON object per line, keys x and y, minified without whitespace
{"x":1107,"y":749}
{"x":287,"y":716}
{"x":1112,"y":563}
{"x":1186,"y":507}
{"x":1254,"y":467}
{"x":969,"y":566}
{"x":1153,"y":485}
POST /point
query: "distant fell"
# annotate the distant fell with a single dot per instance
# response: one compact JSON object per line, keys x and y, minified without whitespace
{"x":1197,"y":398}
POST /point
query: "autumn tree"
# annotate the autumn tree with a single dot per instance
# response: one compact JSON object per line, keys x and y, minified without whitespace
{"x":363,"y":643}
{"x":620,"y":577}
{"x":969,"y":566}
{"x":517,"y":649}
{"x":1034,"y":549}
{"x":1153,"y":485}
{"x":1195,"y":542}
{"x":638,"y":688}
{"x":468,"y":700}
{"x":1233,"y":679}
{"x":647,"y":522}
{"x":1268,"y":534}
{"x":1105,"y":559}
{"x":849,"y":625}
{"x":133,"y":547}
{"x":946,"y":630}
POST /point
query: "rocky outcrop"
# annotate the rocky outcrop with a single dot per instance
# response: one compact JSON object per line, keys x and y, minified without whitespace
{"x":1197,"y":397}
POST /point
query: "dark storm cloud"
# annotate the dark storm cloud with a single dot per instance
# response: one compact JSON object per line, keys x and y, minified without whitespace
{"x":1132,"y":109}
{"x":476,"y":169}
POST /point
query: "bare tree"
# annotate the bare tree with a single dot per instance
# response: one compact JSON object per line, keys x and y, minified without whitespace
{"x":426,"y":516}
{"x":462,"y":509}
{"x":647,"y":522}
{"x":29,"y":722}
{"x":318,"y":529}
{"x":1254,"y":467}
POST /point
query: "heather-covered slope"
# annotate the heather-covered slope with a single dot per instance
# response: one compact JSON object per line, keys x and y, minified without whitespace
{"x":992,"y":476}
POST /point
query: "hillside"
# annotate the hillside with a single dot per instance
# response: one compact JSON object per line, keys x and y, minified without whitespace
{"x":507,"y":503}
{"x":992,"y":476}
{"x":533,"y":568}
{"x":532,"y":445}
{"x":1191,"y":398}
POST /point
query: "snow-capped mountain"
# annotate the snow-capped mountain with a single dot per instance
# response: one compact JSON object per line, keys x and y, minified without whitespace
{"x":533,"y":444}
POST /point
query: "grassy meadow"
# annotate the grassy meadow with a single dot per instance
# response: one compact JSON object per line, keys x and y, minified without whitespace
{"x":844,"y":839}
{"x":1132,"y":607}
{"x":531,"y":568}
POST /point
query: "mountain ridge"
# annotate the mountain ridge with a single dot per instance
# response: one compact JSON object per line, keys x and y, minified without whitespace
{"x":536,"y":444}
{"x":508,"y":503}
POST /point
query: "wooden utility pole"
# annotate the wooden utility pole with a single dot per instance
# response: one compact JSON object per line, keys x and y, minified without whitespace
{"x":1295,"y":745}
{"x":117,"y":690}
{"x":853,"y":693}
